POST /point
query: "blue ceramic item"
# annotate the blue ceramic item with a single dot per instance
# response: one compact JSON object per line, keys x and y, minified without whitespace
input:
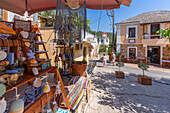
{"x":10,"y":58}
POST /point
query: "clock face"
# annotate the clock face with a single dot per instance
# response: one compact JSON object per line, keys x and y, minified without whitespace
{"x":3,"y":55}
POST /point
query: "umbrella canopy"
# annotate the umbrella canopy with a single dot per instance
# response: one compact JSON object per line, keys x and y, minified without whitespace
{"x":6,"y":29}
{"x":33,"y":6}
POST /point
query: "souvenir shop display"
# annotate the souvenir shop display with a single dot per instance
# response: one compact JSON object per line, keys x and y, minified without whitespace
{"x":21,"y":62}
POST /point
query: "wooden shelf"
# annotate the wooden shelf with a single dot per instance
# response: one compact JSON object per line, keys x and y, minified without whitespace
{"x":41,"y":102}
{"x":40,"y":43}
{"x":29,"y":77}
{"x":41,"y":52}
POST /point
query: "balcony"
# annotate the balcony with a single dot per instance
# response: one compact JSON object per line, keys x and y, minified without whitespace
{"x":154,"y":40}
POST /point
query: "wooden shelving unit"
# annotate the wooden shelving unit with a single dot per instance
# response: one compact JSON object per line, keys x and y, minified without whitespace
{"x":29,"y":77}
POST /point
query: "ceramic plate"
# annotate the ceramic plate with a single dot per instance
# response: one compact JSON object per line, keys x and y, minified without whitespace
{"x":3,"y":55}
{"x":2,"y":89}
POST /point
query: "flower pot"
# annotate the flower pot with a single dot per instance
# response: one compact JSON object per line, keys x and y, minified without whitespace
{"x":119,"y":74}
{"x":144,"y":80}
{"x":78,"y":69}
{"x":117,"y":59}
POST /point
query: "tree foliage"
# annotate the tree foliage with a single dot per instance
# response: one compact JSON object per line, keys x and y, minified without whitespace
{"x":164,"y":33}
{"x":143,"y":66}
{"x":119,"y":64}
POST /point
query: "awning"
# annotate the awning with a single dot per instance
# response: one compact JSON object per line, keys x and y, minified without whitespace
{"x":33,"y":6}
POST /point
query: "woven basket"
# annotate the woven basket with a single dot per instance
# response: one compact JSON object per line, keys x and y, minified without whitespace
{"x":78,"y":69}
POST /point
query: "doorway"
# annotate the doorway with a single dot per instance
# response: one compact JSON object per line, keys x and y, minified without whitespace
{"x":154,"y":54}
{"x":84,"y":53}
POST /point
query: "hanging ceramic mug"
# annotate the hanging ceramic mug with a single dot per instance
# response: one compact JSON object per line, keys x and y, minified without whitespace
{"x":46,"y":88}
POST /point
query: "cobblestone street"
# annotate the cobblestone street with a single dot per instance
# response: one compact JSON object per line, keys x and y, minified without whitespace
{"x":112,"y":95}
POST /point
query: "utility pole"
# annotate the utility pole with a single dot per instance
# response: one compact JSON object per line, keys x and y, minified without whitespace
{"x":113,"y":43}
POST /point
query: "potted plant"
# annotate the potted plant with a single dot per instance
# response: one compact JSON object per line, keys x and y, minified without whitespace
{"x":117,"y":56}
{"x":143,"y":79}
{"x":78,"y":68}
{"x":119,"y":74}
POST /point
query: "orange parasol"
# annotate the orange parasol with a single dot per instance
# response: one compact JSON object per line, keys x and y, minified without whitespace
{"x":6,"y":29}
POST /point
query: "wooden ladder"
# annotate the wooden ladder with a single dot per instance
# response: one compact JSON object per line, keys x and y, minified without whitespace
{"x":38,"y":35}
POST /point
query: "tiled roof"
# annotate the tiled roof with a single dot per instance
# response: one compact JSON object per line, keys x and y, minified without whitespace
{"x":149,"y":17}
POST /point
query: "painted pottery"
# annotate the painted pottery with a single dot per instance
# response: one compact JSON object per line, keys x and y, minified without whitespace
{"x":37,"y":83}
{"x":3,"y":55}
{"x":10,"y":58}
{"x":46,"y":88}
{"x":2,"y":89}
{"x":33,"y":61}
{"x":16,"y":106}
{"x":35,"y":71}
{"x":3,"y":105}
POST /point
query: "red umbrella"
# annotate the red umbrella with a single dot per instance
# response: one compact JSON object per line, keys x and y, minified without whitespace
{"x":33,"y":6}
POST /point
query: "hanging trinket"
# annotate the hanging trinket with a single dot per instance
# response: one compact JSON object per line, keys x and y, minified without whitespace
{"x":31,"y":55}
{"x":58,"y":90}
{"x":35,"y":71}
{"x":16,"y":106}
{"x":63,"y":57}
{"x":24,"y":34}
{"x":3,"y":105}
{"x":18,"y":55}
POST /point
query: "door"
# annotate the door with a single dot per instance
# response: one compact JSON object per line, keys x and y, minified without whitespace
{"x":132,"y":52}
{"x":154,"y":54}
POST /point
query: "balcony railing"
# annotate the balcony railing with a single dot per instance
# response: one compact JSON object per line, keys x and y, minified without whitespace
{"x":154,"y":40}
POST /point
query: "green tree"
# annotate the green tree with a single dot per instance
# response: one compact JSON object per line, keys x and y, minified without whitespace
{"x":143,"y":66}
{"x":164,"y":33}
{"x":119,"y":64}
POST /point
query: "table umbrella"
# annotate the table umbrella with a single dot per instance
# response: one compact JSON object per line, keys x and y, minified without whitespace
{"x":6,"y":29}
{"x":33,"y":6}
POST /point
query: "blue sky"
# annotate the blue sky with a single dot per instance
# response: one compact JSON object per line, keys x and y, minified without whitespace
{"x":137,"y":7}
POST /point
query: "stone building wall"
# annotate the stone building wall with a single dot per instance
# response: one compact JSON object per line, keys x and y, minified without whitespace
{"x":140,"y":49}
{"x":166,"y":52}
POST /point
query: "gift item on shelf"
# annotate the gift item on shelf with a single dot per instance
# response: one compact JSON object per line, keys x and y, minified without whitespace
{"x":3,"y":55}
{"x":31,"y":94}
{"x":58,"y":90}
{"x":31,"y":55}
{"x":33,"y":61}
{"x":17,"y":106}
{"x":2,"y":89}
{"x":10,"y":58}
{"x":35,"y":71}
{"x":12,"y":79}
{"x":37,"y":83}
{"x":24,"y":34}
{"x":44,"y":66}
{"x":3,"y":105}
{"x":18,"y":55}
{"x":46,"y":88}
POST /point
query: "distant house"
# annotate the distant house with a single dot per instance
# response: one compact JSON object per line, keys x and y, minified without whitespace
{"x":136,"y":37}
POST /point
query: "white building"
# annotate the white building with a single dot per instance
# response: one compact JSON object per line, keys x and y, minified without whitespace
{"x":104,"y":41}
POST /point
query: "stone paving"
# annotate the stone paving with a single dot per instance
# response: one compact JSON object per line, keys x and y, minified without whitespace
{"x":111,"y":95}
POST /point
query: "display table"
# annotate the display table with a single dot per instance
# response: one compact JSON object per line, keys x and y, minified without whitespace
{"x":141,"y":59}
{"x":127,"y":59}
{"x":166,"y":63}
